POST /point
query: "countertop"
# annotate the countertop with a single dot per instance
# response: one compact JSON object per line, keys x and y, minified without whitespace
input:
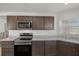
{"x":12,"y":38}
{"x":67,"y":38}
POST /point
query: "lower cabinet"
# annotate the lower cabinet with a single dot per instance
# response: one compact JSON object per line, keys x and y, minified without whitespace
{"x":66,"y":49}
{"x":44,"y":48}
{"x":7,"y":48}
{"x":54,"y":48}
{"x":38,"y":48}
{"x":7,"y":52}
{"x":50,"y":48}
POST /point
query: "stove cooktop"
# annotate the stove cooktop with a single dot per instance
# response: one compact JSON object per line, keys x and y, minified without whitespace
{"x":24,"y":37}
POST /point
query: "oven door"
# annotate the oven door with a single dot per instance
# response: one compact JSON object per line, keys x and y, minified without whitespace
{"x":22,"y":50}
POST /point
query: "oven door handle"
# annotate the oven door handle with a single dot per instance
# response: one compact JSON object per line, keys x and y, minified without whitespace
{"x":23,"y":44}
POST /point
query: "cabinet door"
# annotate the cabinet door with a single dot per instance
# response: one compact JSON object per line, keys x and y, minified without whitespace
{"x":49,"y":23}
{"x":38,"y":23}
{"x":20,"y":18}
{"x":11,"y":22}
{"x":24,"y":18}
{"x":38,"y":48}
{"x":7,"y":48}
{"x":7,"y":51}
{"x":50,"y":48}
{"x":67,"y":49}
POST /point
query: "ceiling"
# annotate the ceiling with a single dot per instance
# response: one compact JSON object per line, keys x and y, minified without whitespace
{"x":36,"y":7}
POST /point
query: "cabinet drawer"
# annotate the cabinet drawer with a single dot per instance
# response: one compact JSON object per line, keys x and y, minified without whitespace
{"x":7,"y":42}
{"x":7,"y":46}
{"x":38,"y":42}
{"x":50,"y":42}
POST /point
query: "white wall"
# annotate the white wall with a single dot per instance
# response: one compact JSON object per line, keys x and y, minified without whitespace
{"x":2,"y":23}
{"x":67,"y":15}
{"x":35,"y":32}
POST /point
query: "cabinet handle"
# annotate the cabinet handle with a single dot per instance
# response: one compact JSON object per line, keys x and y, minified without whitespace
{"x":76,"y":51}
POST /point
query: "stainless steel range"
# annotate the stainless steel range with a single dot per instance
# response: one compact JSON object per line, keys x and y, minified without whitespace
{"x":23,"y":45}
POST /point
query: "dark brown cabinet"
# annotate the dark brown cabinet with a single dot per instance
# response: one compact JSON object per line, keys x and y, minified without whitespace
{"x":21,"y":18}
{"x":50,"y":48}
{"x":38,"y":48}
{"x":37,"y":23}
{"x":7,"y":48}
{"x":54,"y":48}
{"x":66,"y":49}
{"x":49,"y":23}
{"x":44,"y":48}
{"x":24,"y":18}
{"x":11,"y":22}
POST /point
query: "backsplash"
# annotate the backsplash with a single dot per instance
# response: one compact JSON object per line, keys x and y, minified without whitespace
{"x":3,"y":35}
{"x":35,"y":32}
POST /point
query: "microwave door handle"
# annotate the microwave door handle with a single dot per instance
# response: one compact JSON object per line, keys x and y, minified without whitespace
{"x":29,"y":24}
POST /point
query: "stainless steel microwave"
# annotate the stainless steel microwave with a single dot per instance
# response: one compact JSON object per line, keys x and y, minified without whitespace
{"x":24,"y":25}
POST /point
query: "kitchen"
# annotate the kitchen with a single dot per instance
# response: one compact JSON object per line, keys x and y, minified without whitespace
{"x":39,"y":30}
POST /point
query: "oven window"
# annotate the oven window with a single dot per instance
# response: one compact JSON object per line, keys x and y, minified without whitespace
{"x":22,"y":50}
{"x":23,"y":25}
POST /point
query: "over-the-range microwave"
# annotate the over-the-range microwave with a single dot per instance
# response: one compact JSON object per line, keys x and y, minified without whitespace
{"x":24,"y":25}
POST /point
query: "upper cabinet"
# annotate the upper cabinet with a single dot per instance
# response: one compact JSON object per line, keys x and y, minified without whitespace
{"x":38,"y":22}
{"x":11,"y":22}
{"x":24,"y":18}
{"x":49,"y":23}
